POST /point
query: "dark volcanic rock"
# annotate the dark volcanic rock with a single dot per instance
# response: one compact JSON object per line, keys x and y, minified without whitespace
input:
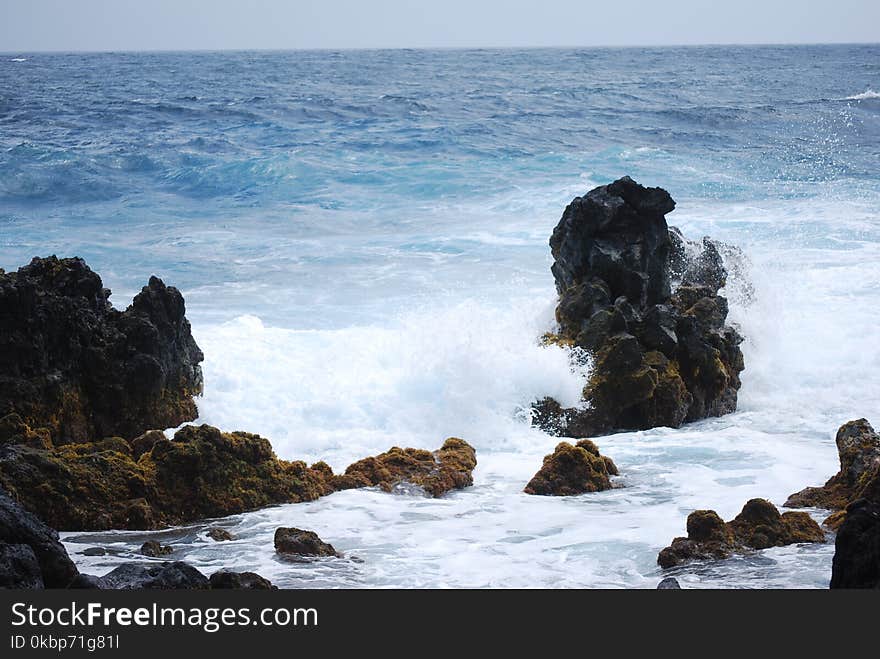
{"x":74,"y":366}
{"x":298,"y":542}
{"x":19,"y":527}
{"x":662,"y":354}
{"x":669,"y":583}
{"x":229,"y":580}
{"x":858,"y":446}
{"x":451,"y":467}
{"x":758,"y":526}
{"x":856,"y":561}
{"x":573,"y":470}
{"x":19,"y":567}
{"x":149,"y":576}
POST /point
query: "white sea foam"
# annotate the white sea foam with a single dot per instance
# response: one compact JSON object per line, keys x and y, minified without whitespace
{"x":865,"y":95}
{"x":436,"y":368}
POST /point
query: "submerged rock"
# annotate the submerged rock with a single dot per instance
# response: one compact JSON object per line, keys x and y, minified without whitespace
{"x":449,"y":468}
{"x":661,"y":355}
{"x":153,"y":549}
{"x":758,"y":526}
{"x":27,"y":540}
{"x":219,"y":535}
{"x":201,"y":473}
{"x":299,"y":542}
{"x":573,"y":469}
{"x":73,"y":368}
{"x":858,"y":446}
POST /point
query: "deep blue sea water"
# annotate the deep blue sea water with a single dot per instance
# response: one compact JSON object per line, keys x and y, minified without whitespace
{"x":361,"y":238}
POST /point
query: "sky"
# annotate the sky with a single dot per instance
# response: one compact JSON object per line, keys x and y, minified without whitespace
{"x":101,"y":25}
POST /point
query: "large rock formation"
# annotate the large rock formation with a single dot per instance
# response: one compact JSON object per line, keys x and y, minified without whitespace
{"x":858,"y":446}
{"x":449,"y":468}
{"x":573,"y":469}
{"x":758,"y":526}
{"x":644,"y":303}
{"x":202,"y":472}
{"x":73,"y":368}
{"x":857,"y":546}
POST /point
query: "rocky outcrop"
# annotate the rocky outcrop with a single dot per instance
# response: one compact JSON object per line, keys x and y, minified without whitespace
{"x":31,"y":555}
{"x":299,"y":542}
{"x":73,"y":368}
{"x":644,"y":303}
{"x":856,"y":561}
{"x":200,"y":473}
{"x":858,"y":446}
{"x":758,"y":526}
{"x":449,"y":468}
{"x":573,"y":469}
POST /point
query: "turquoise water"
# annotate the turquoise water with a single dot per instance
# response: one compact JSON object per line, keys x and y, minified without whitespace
{"x":361,"y":238}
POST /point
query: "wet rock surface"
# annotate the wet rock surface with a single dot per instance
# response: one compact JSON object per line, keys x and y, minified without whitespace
{"x":644,"y":303}
{"x":858,"y":446}
{"x":758,"y":526}
{"x":73,"y":368}
{"x":438,"y":472}
{"x":300,"y":542}
{"x":573,"y":469}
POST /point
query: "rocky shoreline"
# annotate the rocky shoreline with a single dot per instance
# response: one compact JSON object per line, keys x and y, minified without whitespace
{"x":84,"y":387}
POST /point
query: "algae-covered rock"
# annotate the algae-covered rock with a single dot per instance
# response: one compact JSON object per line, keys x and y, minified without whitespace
{"x":573,"y":469}
{"x":201,"y":473}
{"x":449,"y":468}
{"x":758,"y":526}
{"x":75,"y":368}
{"x":644,"y":303}
{"x":858,"y":447}
{"x":299,"y":542}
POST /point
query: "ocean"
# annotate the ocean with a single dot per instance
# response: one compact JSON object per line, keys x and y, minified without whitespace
{"x":361,"y":239}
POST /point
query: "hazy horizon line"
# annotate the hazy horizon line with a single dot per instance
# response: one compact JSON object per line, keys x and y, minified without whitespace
{"x":430,"y":48}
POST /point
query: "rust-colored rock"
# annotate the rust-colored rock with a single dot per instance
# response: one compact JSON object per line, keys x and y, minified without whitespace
{"x":758,"y":526}
{"x":573,"y":469}
{"x":858,"y":446}
{"x":449,"y":468}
